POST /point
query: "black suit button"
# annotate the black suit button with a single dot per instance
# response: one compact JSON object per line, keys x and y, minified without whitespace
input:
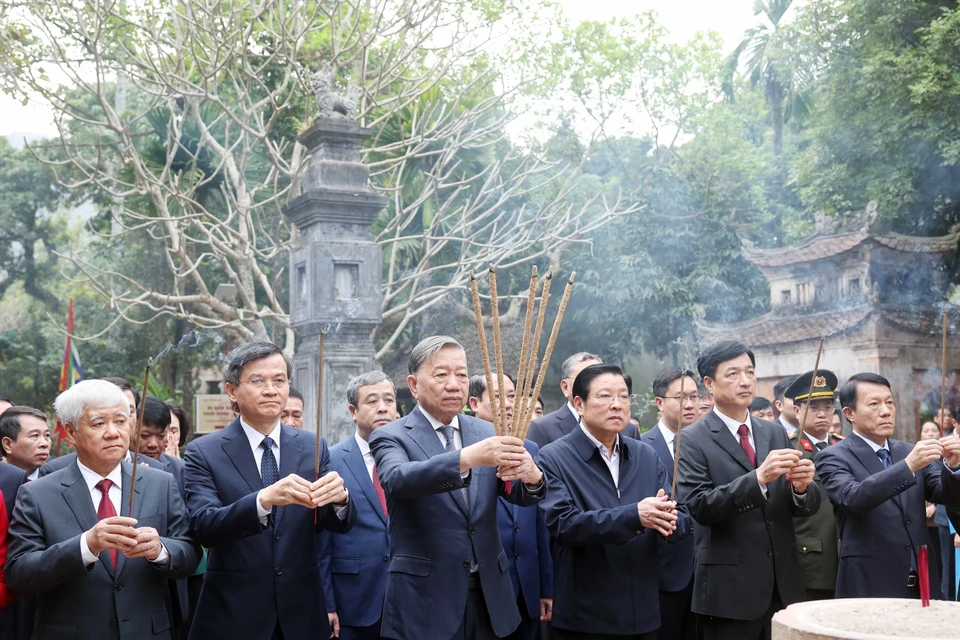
{"x":113,"y":623}
{"x":386,"y":557}
{"x":907,"y":547}
{"x":117,"y":587}
{"x":472,"y":531}
{"x":907,"y":521}
{"x":517,"y":556}
{"x":278,"y":571}
{"x":769,"y":554}
{"x":769,"y":523}
{"x":276,"y":536}
{"x":516,"y":528}
{"x":466,"y":565}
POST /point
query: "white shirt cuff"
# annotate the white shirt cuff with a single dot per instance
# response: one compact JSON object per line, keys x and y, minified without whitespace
{"x":763,"y":490}
{"x":86,"y":555}
{"x":341,"y":509}
{"x":163,"y":557}
{"x":262,"y":513}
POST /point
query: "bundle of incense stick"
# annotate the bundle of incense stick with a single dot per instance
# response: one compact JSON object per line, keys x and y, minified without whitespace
{"x":526,"y":391}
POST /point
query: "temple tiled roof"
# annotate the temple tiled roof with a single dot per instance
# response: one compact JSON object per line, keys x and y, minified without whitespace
{"x":819,"y":247}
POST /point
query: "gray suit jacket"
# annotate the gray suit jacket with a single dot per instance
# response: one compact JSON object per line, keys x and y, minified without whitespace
{"x":96,"y":601}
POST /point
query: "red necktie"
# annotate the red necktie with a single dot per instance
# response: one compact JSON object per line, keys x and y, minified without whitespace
{"x":106,"y":510}
{"x":381,"y":496}
{"x":744,"y":434}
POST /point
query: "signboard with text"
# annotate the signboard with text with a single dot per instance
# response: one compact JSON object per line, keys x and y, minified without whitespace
{"x":211,"y":411}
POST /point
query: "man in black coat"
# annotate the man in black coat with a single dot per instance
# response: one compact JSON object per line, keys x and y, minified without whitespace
{"x":743,"y":484}
{"x":878,"y":487}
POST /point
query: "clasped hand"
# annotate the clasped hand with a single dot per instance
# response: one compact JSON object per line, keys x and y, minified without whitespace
{"x":786,"y":462}
{"x":658,"y":513}
{"x":297,"y":490}
{"x":507,"y":453}
{"x":120,"y":533}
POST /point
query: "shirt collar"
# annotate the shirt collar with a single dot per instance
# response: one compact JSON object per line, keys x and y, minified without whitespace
{"x":573,"y":411}
{"x":667,"y":434}
{"x":33,"y":476}
{"x":362,"y":444}
{"x":91,"y":477}
{"x":786,"y":425}
{"x":732,"y":424}
{"x":256,"y":438}
{"x":436,"y":424}
{"x":814,"y":439}
{"x":873,"y":445}
{"x":600,"y":445}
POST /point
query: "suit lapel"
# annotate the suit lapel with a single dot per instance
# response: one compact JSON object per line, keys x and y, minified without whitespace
{"x":237,"y":448}
{"x":420,"y":429}
{"x":291,"y":452}
{"x":125,"y":470}
{"x":469,"y":434}
{"x":761,"y":436}
{"x":727,"y":442}
{"x":358,"y":468}
{"x":78,"y":498}
{"x":566,"y":421}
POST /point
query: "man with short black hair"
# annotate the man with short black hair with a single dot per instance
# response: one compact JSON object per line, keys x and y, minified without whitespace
{"x":523,"y":532}
{"x":879,"y":488}
{"x":5,"y":403}
{"x":676,"y":560}
{"x":255,"y":505}
{"x":743,"y":484}
{"x":293,"y":413}
{"x":354,"y":565}
{"x":788,"y":413}
{"x":608,"y":512}
{"x":25,"y":439}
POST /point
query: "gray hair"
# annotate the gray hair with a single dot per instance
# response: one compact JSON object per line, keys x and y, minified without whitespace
{"x":427,"y":348}
{"x":567,"y":367}
{"x":242,"y":356}
{"x":362,"y":380}
{"x":89,"y":394}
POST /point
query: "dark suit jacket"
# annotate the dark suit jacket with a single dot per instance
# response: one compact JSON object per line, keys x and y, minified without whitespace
{"x":179,"y":589}
{"x":526,"y":542}
{"x":605,"y":562}
{"x":881,"y":515}
{"x":554,"y":426}
{"x":257,"y":576}
{"x":353,"y":565}
{"x":745,"y":545}
{"x":676,"y":560}
{"x":99,"y":601}
{"x":10,"y":480}
{"x":174,"y":466}
{"x":432,"y":531}
{"x":64,"y":461}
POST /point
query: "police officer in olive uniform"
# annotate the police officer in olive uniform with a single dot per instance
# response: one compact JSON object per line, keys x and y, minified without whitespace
{"x":817,"y":539}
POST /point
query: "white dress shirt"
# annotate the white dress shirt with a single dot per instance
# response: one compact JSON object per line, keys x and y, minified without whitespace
{"x":610,"y":458}
{"x":786,"y":425}
{"x":668,"y":436}
{"x":873,"y":445}
{"x":115,"y":493}
{"x":572,"y":410}
{"x":364,"y":447}
{"x":34,"y":475}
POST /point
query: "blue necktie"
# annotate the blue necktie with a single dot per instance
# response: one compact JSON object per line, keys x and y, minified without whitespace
{"x":269,"y":472}
{"x":884,"y":456}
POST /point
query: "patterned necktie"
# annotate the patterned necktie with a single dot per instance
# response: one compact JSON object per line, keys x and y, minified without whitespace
{"x":381,"y":496}
{"x":106,"y":510}
{"x":447,"y":431}
{"x":884,"y":456}
{"x":821,"y":445}
{"x":744,"y":434}
{"x":269,"y":472}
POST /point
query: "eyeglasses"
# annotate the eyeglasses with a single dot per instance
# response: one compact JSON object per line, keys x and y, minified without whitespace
{"x":607,"y":398}
{"x":691,"y":398}
{"x":260,"y":383}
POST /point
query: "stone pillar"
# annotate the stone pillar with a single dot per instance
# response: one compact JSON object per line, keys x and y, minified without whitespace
{"x":334,"y":270}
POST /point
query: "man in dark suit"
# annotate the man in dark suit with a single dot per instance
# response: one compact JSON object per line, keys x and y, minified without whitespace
{"x":354,"y":565}
{"x":442,"y":472}
{"x":677,"y":620}
{"x":878,"y":487}
{"x":743,"y":484}
{"x":25,"y":439}
{"x":787,"y":411}
{"x":608,"y":512}
{"x":97,"y":574}
{"x":255,"y":505}
{"x":11,"y":478}
{"x":817,"y":538}
{"x":523,"y":532}
{"x":559,"y":423}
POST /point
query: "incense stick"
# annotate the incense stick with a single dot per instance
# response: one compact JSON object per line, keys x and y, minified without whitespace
{"x":500,"y":427}
{"x":529,"y":404}
{"x":136,"y":446}
{"x":813,"y":378}
{"x":549,"y":350}
{"x":482,"y":336}
{"x":524,"y":353}
{"x":319,"y":416}
{"x":943,"y":377}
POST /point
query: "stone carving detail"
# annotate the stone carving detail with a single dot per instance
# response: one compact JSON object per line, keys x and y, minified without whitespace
{"x":330,"y":104}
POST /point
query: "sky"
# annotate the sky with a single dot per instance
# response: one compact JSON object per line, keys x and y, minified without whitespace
{"x":683,"y":18}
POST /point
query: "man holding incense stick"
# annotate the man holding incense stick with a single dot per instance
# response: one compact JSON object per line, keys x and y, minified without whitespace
{"x":743,"y":483}
{"x":251,"y":495}
{"x":523,"y":533}
{"x":677,"y":406}
{"x":817,"y":536}
{"x":442,"y":472}
{"x":879,"y":488}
